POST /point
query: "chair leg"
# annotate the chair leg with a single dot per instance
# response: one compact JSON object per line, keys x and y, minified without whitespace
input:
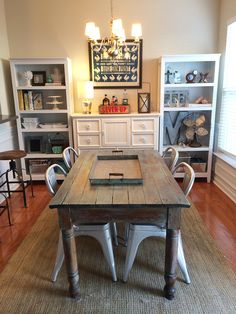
{"x":105,"y":241}
{"x":21,"y":181}
{"x":6,"y":207}
{"x":135,"y":238}
{"x":182,"y":262}
{"x":8,"y":212}
{"x":31,"y":184}
{"x":59,"y":259}
{"x":126,"y":236}
{"x":7,"y":182}
{"x":114,"y":233}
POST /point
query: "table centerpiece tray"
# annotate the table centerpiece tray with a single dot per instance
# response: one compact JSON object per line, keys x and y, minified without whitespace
{"x":116,"y":170}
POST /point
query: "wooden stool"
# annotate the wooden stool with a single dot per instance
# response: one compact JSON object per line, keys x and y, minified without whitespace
{"x":13,"y":155}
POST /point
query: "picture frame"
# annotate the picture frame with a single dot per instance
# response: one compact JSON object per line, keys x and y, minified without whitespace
{"x":34,"y":144}
{"x":167,"y":99}
{"x":176,"y":98}
{"x":37,"y":100}
{"x":39,"y":78}
{"x":116,"y":72}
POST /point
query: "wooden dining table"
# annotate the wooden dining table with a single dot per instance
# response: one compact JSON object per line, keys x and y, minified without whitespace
{"x":158,"y":197}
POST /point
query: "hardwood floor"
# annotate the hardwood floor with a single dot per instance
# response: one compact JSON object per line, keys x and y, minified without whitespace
{"x":22,"y":218}
{"x":217,"y":211}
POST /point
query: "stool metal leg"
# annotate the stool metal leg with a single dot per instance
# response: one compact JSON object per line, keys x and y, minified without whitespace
{"x":23,"y":184}
{"x":8,"y":185}
{"x":21,"y":181}
{"x":6,"y":207}
{"x":31,"y":184}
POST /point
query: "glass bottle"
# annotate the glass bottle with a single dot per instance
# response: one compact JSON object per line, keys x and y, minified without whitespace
{"x":106,"y":101}
{"x":125,"y":100}
{"x":114,"y":101}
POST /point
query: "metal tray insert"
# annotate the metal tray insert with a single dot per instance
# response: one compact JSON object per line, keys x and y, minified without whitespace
{"x":116,"y":170}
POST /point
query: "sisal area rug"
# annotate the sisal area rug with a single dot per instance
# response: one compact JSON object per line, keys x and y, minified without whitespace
{"x":25,"y":285}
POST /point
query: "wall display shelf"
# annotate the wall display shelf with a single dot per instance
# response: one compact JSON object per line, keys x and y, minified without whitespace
{"x":42,"y":90}
{"x":187,"y":93}
{"x":116,"y":132}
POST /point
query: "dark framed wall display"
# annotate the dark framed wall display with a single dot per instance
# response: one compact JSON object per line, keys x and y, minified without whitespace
{"x":34,"y":144}
{"x":39,"y":78}
{"x":119,"y":72}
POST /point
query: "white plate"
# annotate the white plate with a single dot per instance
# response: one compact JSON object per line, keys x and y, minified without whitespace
{"x":52,"y":125}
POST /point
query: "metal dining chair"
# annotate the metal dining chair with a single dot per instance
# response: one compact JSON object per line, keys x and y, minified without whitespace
{"x":138,"y":232}
{"x":69,"y":152}
{"x":171,"y":157}
{"x":172,"y":154}
{"x":101,"y":232}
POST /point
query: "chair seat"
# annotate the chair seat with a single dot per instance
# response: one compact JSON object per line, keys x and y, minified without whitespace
{"x":91,"y":227}
{"x":139,"y":232}
{"x":101,"y":233}
{"x":12,"y":154}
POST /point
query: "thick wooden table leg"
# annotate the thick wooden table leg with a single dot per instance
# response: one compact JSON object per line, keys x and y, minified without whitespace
{"x":69,"y":251}
{"x":71,"y":262}
{"x":172,"y":237}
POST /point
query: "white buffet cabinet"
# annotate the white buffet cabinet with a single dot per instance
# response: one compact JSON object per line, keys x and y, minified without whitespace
{"x":102,"y":131}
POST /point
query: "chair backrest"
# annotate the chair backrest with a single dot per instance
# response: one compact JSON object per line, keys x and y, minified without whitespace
{"x":68,"y":152}
{"x":174,"y":156}
{"x":189,"y":176}
{"x":51,"y":177}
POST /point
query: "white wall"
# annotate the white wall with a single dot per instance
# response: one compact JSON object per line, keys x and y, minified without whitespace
{"x":8,"y":136}
{"x":5,"y":86}
{"x":50,"y":28}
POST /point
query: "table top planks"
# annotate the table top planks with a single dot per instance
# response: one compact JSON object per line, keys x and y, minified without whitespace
{"x":159,"y":188}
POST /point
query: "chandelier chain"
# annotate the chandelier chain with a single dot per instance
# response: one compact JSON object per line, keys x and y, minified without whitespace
{"x":111,"y":9}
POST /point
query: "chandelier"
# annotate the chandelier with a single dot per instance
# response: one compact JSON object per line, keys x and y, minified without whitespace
{"x":115,"y":45}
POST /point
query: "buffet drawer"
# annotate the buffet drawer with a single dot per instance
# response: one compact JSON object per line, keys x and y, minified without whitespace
{"x":147,"y":125}
{"x":88,"y":140}
{"x":88,"y":125}
{"x":143,"y":139}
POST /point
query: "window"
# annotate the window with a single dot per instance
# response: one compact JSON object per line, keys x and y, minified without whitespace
{"x":227,"y":121}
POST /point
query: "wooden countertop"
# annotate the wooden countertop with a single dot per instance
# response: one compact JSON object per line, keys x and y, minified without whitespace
{"x":98,"y":115}
{"x":7,"y":118}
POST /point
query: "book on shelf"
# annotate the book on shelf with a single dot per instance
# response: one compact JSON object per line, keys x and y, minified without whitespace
{"x":30,"y":99}
{"x":192,"y":105}
{"x":37,"y":101}
{"x":21,"y":100}
{"x":26,"y":100}
{"x":53,"y":84}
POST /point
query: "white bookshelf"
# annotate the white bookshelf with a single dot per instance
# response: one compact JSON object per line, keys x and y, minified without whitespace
{"x":172,"y":114}
{"x":38,"y":141}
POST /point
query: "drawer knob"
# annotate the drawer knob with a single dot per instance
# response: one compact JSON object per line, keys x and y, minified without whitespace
{"x":89,"y":141}
{"x":142,"y":140}
{"x":143,"y":126}
{"x":87,"y":127}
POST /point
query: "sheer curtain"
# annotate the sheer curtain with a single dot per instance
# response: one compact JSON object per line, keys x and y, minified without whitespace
{"x":227,"y":121}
